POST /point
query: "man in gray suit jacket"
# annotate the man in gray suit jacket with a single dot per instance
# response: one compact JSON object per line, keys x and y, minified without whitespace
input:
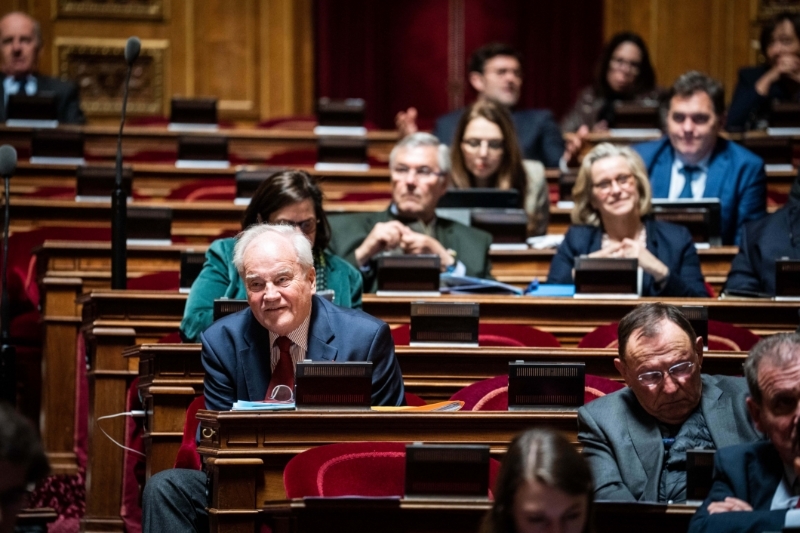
{"x":20,"y":43}
{"x":636,"y":439}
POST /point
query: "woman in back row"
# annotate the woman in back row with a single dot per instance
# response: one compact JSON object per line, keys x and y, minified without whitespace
{"x":485,"y":153}
{"x":612,"y":201}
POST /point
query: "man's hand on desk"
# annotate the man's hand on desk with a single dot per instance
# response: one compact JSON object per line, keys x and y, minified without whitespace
{"x":419,"y":243}
{"x":729,"y":504}
{"x":384,"y":236}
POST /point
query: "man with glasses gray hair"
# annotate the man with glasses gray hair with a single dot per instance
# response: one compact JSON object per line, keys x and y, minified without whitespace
{"x":419,"y":166}
{"x":636,"y":439}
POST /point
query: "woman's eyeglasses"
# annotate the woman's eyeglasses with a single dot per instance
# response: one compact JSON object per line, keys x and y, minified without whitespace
{"x":623,"y":181}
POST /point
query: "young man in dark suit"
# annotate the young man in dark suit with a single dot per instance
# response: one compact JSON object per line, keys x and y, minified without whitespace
{"x":495,"y":72}
{"x":20,"y":43}
{"x":693,"y":161}
{"x":251,"y":355}
{"x":755,"y":485}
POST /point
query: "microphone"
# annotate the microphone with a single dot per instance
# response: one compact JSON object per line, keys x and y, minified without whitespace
{"x":119,"y":200}
{"x":8,"y":375}
{"x":132,"y":49}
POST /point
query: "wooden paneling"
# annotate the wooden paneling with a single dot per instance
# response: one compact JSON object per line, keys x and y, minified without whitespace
{"x":255,"y":56}
{"x":713,"y":36}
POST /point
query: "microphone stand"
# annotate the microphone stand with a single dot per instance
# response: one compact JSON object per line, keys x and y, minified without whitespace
{"x":119,"y":208}
{"x":8,"y":371}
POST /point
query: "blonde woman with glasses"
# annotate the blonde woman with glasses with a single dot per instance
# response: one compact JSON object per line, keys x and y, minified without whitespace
{"x":610,"y":219}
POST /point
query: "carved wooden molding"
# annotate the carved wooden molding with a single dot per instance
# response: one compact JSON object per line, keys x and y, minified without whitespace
{"x":116,"y":9}
{"x":98,"y":67}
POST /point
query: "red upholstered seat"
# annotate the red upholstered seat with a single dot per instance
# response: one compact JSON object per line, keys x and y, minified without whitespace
{"x":721,"y":336}
{"x":494,"y":335}
{"x":414,"y":400}
{"x":353,"y":469}
{"x":187,"y":454}
{"x":172,"y":338}
{"x":203,"y":190}
{"x":492,"y":394}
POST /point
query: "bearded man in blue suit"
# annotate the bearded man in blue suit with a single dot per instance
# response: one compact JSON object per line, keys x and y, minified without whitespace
{"x":692,"y":161}
{"x":251,"y":354}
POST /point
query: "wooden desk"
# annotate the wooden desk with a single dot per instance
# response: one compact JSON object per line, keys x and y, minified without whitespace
{"x":157,"y":180}
{"x":249,"y":144}
{"x":171,"y":375}
{"x":570,"y":319}
{"x":246,"y":453}
{"x":519,"y":267}
{"x":444,"y":515}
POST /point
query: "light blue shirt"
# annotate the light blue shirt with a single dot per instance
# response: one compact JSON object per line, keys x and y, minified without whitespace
{"x":677,"y":179}
{"x":786,"y":498}
{"x":11,"y":85}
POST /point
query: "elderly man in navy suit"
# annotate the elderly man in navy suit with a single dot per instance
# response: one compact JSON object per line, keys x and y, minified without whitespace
{"x":692,"y":161}
{"x":756,"y":486}
{"x":251,"y":355}
{"x":495,"y":72}
{"x":20,"y":43}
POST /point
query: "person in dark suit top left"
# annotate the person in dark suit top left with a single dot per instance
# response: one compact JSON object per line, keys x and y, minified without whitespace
{"x":251,"y":355}
{"x":612,"y":201}
{"x":20,"y":43}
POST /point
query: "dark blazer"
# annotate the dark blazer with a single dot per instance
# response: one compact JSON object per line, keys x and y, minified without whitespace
{"x":750,"y":472}
{"x":67,"y":102}
{"x":471,"y":244}
{"x":763,"y":241}
{"x":748,"y":108}
{"x":670,"y":243}
{"x":236,"y":353}
{"x":735,"y":175}
{"x":537,"y":132}
{"x":623,"y":445}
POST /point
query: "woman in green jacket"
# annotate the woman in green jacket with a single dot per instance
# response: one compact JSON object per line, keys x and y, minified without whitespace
{"x":289,"y":197}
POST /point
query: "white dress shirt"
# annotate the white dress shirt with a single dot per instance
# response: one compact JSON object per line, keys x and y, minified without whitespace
{"x":678,"y":180}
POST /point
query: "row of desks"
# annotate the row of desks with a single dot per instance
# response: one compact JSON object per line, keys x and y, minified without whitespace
{"x":170,"y":376}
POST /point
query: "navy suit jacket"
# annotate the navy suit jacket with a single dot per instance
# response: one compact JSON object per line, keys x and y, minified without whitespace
{"x":763,"y":241}
{"x":670,"y":243}
{"x":537,"y":132}
{"x":748,"y":108}
{"x":735,"y":175}
{"x":750,"y":472}
{"x":236,"y":353}
{"x":66,"y":94}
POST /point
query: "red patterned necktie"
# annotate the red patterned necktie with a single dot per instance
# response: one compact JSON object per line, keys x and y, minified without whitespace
{"x":284,"y":370}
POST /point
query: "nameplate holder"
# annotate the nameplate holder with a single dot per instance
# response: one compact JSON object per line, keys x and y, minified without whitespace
{"x":226,"y":306}
{"x":193,"y":114}
{"x":787,"y":279}
{"x":505,"y":225}
{"x":702,"y":217}
{"x":447,"y":471}
{"x":248,"y":182}
{"x":408,"y":274}
{"x":699,"y":474}
{"x":545,"y":386}
{"x":191,"y":265}
{"x":34,"y":111}
{"x":333,"y":385}
{"x":341,"y":113}
{"x":57,"y":147}
{"x":444,"y":324}
{"x":566,"y":181}
{"x":97,"y":183}
{"x":340,"y":151}
{"x":606,"y":276}
{"x":196,"y":151}
{"x":636,"y":115}
{"x":149,"y":225}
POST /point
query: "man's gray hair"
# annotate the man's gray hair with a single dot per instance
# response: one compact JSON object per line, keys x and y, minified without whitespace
{"x":779,"y":350}
{"x":299,"y":242}
{"x":416,"y":140}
